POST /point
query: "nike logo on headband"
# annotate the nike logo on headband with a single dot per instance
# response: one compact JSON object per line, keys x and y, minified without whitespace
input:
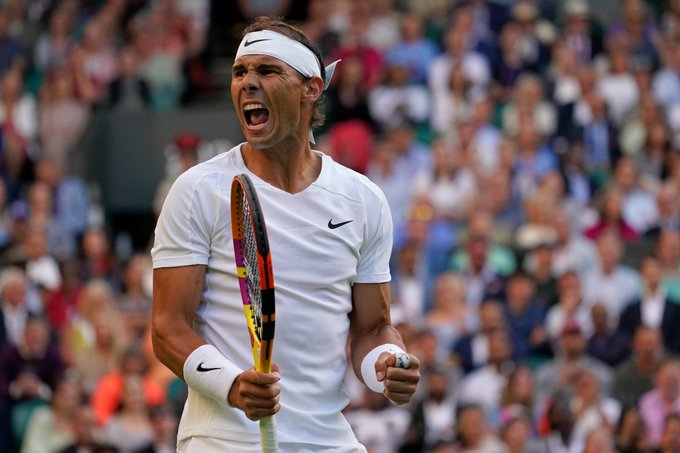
{"x":247,"y":43}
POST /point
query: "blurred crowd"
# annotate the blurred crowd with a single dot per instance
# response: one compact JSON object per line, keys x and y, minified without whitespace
{"x":529,"y":152}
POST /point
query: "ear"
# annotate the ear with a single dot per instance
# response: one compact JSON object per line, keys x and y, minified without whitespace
{"x":313,"y":90}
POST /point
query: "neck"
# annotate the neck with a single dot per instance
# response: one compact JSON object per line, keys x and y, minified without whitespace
{"x":290,"y":168}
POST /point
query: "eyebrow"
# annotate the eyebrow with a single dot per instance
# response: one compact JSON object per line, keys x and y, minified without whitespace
{"x":258,"y":67}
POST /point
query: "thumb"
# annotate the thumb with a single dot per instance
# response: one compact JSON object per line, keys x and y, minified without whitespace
{"x":381,"y":365}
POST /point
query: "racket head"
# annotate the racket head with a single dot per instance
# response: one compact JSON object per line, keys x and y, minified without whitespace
{"x":254,"y":269}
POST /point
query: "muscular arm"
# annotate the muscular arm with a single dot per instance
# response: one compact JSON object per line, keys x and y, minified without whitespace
{"x":176,"y":295}
{"x":370,"y":326}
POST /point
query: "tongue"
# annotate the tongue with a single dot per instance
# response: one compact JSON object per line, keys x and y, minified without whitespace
{"x":258,"y":116}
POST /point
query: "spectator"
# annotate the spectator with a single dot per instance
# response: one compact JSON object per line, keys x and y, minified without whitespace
{"x":518,"y":395}
{"x":62,"y":117}
{"x":472,"y":351}
{"x":617,"y":86}
{"x":94,"y":62}
{"x":53,"y":45}
{"x":516,"y":432}
{"x":592,"y":409}
{"x":606,"y":342}
{"x":414,"y":50}
{"x":653,"y":309}
{"x":630,"y":435}
{"x":639,"y":207}
{"x":473,"y":433}
{"x":50,"y":428}
{"x":129,"y":428}
{"x":87,"y":433}
{"x":635,"y":376}
{"x":432,"y":419}
{"x":450,"y":317}
{"x":98,"y":259}
{"x":482,"y":262}
{"x":580,"y":31}
{"x":448,"y":186}
{"x":670,"y":438}
{"x":29,"y":374}
{"x":599,"y":440}
{"x":135,"y":301}
{"x":570,"y":357}
{"x":108,"y":394}
{"x":72,"y":205}
{"x":12,"y":53}
{"x":351,"y":129}
{"x":42,"y":268}
{"x":396,"y":99}
{"x":526,"y":318}
{"x":534,"y":158}
{"x":611,"y":219}
{"x":572,"y":250}
{"x":130,"y":91}
{"x":668,"y":254}
{"x":60,"y":243}
{"x":559,"y":425}
{"x":614,"y":284}
{"x":662,"y":400}
{"x":571,"y":308}
{"x":164,"y":426}
{"x":484,"y":386}
{"x":15,"y":306}
{"x":529,"y":105}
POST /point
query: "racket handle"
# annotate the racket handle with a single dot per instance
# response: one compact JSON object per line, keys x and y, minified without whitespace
{"x":268,"y":435}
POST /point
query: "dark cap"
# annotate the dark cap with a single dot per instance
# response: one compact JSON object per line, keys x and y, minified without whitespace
{"x":571,"y":327}
{"x":188,"y":141}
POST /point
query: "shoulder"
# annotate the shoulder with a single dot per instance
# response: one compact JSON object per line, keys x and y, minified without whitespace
{"x":347,"y":182}
{"x":210,"y":175}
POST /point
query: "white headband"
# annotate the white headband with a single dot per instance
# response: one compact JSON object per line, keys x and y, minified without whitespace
{"x":293,"y":53}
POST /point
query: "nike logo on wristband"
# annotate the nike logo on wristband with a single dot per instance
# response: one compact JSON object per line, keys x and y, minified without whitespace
{"x":203,"y":370}
{"x":333,"y":226}
{"x":247,"y":43}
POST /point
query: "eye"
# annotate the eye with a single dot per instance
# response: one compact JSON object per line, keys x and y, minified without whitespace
{"x":238,"y":72}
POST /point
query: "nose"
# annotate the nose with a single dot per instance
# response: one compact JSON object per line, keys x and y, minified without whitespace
{"x":250,"y":82}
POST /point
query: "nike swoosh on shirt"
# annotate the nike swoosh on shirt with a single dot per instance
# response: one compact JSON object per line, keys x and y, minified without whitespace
{"x":203,"y":370}
{"x":247,"y":43}
{"x":333,"y":226}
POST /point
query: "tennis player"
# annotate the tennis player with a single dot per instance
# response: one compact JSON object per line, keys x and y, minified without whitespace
{"x":330,"y":234}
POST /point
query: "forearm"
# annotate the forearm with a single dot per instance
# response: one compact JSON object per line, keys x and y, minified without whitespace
{"x":361,"y":346}
{"x":173,"y":342}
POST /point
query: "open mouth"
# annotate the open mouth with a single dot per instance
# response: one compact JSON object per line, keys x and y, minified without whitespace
{"x":255,"y":114}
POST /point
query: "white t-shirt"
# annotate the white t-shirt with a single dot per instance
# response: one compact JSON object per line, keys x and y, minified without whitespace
{"x":314,"y":267}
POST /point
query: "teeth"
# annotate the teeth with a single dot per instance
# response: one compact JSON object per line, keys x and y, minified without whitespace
{"x":253,"y":107}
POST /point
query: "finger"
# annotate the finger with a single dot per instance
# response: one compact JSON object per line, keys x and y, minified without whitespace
{"x":385,"y":360}
{"x":256,"y":413}
{"x":261,"y":391}
{"x":399,"y":398}
{"x":402,"y":360}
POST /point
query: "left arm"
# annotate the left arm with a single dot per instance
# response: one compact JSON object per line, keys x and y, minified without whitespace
{"x":370,"y":326}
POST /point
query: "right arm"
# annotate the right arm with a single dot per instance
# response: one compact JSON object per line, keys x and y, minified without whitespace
{"x":176,"y":296}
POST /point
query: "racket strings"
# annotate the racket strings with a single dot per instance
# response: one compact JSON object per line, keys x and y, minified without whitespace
{"x":252,"y":269}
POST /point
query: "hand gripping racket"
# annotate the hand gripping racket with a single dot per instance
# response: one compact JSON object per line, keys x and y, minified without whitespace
{"x":256,"y":281}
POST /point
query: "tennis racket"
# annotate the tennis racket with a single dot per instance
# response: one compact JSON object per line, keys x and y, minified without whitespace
{"x":256,"y":282}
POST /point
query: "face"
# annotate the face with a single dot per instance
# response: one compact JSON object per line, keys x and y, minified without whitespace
{"x":267,"y":96}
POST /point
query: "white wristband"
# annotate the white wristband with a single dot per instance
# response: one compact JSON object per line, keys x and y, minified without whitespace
{"x":368,"y":365}
{"x":208,"y":372}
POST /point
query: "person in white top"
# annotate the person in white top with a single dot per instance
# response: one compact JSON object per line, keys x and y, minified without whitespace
{"x":330,"y":235}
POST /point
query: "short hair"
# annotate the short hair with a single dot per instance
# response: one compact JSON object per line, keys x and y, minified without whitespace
{"x":291,"y":31}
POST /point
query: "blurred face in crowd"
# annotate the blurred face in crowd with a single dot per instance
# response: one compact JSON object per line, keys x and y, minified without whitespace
{"x":670,"y":439}
{"x":647,"y":343}
{"x":668,"y":381}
